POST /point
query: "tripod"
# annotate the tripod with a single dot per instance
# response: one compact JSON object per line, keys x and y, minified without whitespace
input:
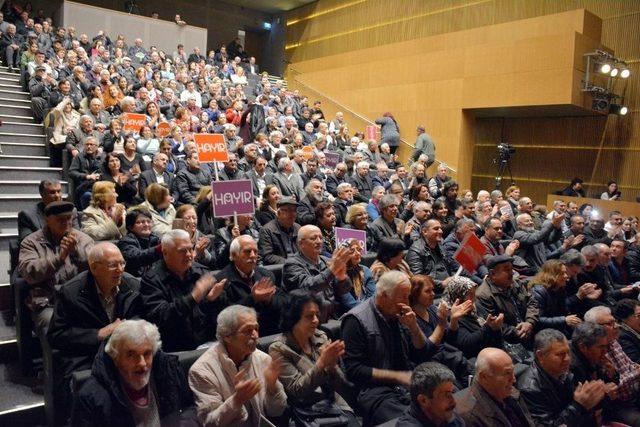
{"x":504,"y":164}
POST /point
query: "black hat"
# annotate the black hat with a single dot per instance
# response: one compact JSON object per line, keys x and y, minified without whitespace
{"x":291,"y":201}
{"x":58,"y":208}
{"x":493,"y":261}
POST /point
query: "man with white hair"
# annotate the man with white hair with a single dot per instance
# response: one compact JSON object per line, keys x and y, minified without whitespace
{"x":133,"y":382}
{"x":306,"y":209}
{"x":383,"y":342}
{"x":491,"y":399}
{"x":234,"y":383}
{"x":362,"y":183}
{"x":234,"y":142}
{"x":436,"y":184}
{"x":251,"y":285}
{"x":533,"y":248}
{"x":344,"y":199}
{"x":87,"y":310}
{"x":157,"y":174}
{"x":338,"y":177}
{"x":180,"y":296}
{"x":288,"y":182}
{"x":625,"y":407}
{"x":307,"y":269}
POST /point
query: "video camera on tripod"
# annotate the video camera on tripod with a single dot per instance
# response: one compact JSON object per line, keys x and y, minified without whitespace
{"x":506,"y":151}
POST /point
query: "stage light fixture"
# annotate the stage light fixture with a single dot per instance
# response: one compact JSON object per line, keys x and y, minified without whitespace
{"x":620,"y":110}
{"x":604,"y":68}
{"x":625,"y":73}
{"x":600,"y":104}
{"x":614,"y":71}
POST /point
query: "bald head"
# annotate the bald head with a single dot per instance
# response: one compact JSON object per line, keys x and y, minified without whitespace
{"x":494,"y":373}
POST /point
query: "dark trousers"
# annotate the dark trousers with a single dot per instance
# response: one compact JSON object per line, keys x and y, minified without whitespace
{"x":381,"y":404}
{"x":11,"y":56}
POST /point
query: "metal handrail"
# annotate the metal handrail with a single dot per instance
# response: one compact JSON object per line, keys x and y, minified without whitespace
{"x":360,"y":116}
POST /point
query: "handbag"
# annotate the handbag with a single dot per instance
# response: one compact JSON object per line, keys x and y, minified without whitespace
{"x":324,"y":413}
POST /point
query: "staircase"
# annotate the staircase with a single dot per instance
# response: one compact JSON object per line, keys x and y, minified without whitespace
{"x":23,"y":163}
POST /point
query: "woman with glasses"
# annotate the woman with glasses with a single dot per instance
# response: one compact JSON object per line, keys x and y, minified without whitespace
{"x":187,"y":219}
{"x":362,"y":284}
{"x":311,"y":373}
{"x":140,"y":247}
{"x":358,"y":219}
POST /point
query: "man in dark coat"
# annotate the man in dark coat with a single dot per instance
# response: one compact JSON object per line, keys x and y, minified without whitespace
{"x":491,"y":400}
{"x":189,"y":181}
{"x":627,"y":313}
{"x":388,"y":225}
{"x":180,"y":296}
{"x":533,"y":244}
{"x":252,"y":286}
{"x":547,"y":385}
{"x":426,"y":255}
{"x":117,"y":385}
{"x":501,"y":293}
{"x":158,"y":170}
{"x":87,"y":310}
{"x":362,"y":183}
{"x":278,"y":238}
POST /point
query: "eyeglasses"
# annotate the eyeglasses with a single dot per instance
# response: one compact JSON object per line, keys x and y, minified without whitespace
{"x":114,"y":265}
{"x":610,"y":324}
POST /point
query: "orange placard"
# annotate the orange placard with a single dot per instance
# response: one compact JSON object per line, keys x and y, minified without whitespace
{"x":163,"y":130}
{"x":211,"y":147}
{"x":307,"y":152}
{"x":133,"y":122}
{"x":371,"y":133}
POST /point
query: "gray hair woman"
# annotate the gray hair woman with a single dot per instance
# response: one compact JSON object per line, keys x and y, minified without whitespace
{"x":474,"y":333}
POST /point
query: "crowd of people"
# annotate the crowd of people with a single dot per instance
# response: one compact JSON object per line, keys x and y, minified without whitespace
{"x":137,"y":267}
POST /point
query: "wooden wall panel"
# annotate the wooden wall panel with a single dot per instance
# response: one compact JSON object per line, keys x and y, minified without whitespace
{"x":378,"y":46}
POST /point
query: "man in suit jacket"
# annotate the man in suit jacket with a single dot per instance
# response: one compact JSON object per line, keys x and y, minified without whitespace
{"x":157,"y":174}
{"x":338,"y":177}
{"x":259,"y":176}
{"x":362,"y":183}
{"x":288,"y":182}
{"x":252,"y":67}
{"x":32,"y":219}
{"x":279,"y":237}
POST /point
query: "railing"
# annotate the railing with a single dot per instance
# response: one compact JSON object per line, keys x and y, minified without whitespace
{"x":351,"y":111}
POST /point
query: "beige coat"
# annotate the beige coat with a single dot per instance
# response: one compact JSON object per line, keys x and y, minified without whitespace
{"x":161,"y":224}
{"x":40,"y":263}
{"x":97,"y":224}
{"x":211,"y":380}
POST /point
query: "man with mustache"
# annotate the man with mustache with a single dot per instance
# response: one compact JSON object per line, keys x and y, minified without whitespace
{"x":533,"y":248}
{"x":133,"y":382}
{"x":307,"y":206}
{"x":432,"y":402}
{"x":547,"y":385}
{"x":235,"y":384}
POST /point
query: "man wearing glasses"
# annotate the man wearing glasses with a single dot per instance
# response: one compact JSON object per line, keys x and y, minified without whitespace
{"x":88,"y":308}
{"x":625,"y":399}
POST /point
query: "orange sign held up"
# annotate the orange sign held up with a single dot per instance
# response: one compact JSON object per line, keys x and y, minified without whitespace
{"x":371,"y":133}
{"x":132,"y":122}
{"x":307,"y":152}
{"x":163,"y":130}
{"x":211,"y":147}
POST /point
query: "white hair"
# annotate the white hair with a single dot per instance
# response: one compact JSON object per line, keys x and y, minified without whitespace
{"x":228,"y":320}
{"x":234,"y":248}
{"x":389,"y":280}
{"x":134,"y":332}
{"x":594,"y":313}
{"x":363,"y":164}
{"x":170,"y":237}
{"x":96,"y":253}
{"x":342,"y":187}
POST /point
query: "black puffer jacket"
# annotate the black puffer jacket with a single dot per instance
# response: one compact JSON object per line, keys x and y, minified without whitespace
{"x":101,"y":401}
{"x":139,"y":253}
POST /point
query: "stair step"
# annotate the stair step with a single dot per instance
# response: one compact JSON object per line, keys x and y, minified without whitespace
{"x":16,"y":202}
{"x":7,"y":221}
{"x":12,"y":173}
{"x":4,"y":100}
{"x":12,"y":160}
{"x":9,"y":233}
{"x":17,"y":94}
{"x":21,"y":186}
{"x":24,"y":149}
{"x":21,"y":137}
{"x":16,"y":119}
{"x":22,"y":128}
{"x":4,"y":78}
{"x":16,"y":110}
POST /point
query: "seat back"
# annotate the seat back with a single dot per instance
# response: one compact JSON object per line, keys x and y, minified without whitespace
{"x":265,"y":342}
{"x":276,"y":269}
{"x":368,"y":259}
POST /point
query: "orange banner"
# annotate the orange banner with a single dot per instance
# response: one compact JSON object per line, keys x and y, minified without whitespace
{"x":163,"y":130}
{"x":133,"y":122}
{"x":211,"y":147}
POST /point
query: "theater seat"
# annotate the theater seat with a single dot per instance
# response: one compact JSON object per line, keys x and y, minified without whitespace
{"x":276,"y":269}
{"x":331,"y":328}
{"x":265,"y":342}
{"x":368,"y":259}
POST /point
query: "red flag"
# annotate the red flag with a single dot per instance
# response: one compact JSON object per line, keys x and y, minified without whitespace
{"x":470,"y":253}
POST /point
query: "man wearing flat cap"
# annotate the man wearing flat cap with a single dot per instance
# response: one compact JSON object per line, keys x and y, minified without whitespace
{"x":500,"y":292}
{"x":51,"y":257}
{"x":278,"y":238}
